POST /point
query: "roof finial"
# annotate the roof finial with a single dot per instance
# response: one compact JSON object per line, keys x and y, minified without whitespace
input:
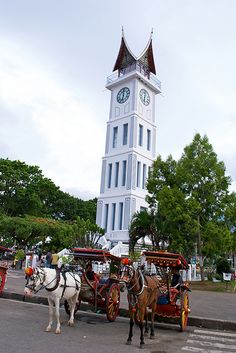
{"x":122,"y":31}
{"x":151,"y":33}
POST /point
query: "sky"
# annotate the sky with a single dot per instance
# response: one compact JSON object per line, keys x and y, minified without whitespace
{"x":55,"y":57}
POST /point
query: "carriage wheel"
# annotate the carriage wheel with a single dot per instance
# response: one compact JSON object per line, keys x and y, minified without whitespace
{"x":67,"y":307}
{"x":113,"y":302}
{"x":2,"y":280}
{"x":184,"y":310}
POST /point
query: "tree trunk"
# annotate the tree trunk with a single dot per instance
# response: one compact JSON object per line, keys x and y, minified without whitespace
{"x":201,"y":259}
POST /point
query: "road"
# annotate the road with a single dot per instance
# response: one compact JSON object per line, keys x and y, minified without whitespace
{"x":22,"y":330}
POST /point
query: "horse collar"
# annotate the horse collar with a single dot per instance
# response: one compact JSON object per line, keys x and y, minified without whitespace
{"x":56,"y":284}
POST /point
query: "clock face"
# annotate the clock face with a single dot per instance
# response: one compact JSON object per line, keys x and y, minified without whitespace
{"x":144,"y":96}
{"x":123,"y":95}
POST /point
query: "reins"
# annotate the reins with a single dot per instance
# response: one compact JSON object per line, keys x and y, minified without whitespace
{"x":137,"y":281}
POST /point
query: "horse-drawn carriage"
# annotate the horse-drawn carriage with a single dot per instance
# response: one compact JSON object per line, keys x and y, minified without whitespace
{"x":103,"y":290}
{"x":173,"y":301}
{"x":3,"y":267}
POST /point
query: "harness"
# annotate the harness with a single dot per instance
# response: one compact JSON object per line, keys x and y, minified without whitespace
{"x":140,"y":281}
{"x":57,"y":278}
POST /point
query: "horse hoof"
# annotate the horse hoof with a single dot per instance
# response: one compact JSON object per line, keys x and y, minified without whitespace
{"x":57,"y":331}
{"x":48,"y":329}
{"x":152,"y":337}
{"x":145,"y":334}
{"x":128,"y":343}
{"x":141,"y":345}
{"x":71,"y":324}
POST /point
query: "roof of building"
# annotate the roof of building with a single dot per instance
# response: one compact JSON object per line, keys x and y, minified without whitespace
{"x":126,"y":57}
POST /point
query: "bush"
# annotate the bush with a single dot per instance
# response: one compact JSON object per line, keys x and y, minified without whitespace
{"x":222,"y":265}
{"x":218,"y":277}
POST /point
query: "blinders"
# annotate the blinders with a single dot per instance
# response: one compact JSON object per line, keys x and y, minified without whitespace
{"x":126,"y":273}
{"x":35,"y":280}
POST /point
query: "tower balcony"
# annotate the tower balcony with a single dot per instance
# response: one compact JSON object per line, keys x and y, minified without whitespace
{"x":140,"y":70}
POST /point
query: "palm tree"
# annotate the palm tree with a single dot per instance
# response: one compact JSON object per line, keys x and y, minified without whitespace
{"x":142,"y":224}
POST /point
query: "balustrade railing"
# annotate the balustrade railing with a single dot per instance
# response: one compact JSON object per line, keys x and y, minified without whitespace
{"x":138,"y":67}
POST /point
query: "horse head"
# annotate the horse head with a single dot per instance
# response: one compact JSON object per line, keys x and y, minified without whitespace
{"x":126,"y":271}
{"x":34,"y":279}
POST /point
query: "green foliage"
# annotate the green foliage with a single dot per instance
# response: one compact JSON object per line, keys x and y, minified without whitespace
{"x":86,"y":233}
{"x":190,"y":204}
{"x":222,"y":265}
{"x":20,"y":255}
{"x":25,"y":191}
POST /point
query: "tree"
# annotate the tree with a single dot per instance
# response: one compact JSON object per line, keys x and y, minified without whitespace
{"x":142,"y":225}
{"x":25,"y":191}
{"x":204,"y":182}
{"x":189,"y":202}
{"x":87,"y":233}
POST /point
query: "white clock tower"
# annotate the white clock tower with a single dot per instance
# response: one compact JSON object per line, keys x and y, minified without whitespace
{"x":130,"y":147}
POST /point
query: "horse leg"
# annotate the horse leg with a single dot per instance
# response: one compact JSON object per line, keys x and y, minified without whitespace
{"x":141,"y":325}
{"x":131,"y":325}
{"x":57,"y":315}
{"x":142,"y":313}
{"x":152,"y":320}
{"x":73,"y":302}
{"x":50,"y":309}
{"x":146,"y":324}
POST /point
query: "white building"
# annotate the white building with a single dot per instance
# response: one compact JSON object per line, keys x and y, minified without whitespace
{"x":130,"y":147}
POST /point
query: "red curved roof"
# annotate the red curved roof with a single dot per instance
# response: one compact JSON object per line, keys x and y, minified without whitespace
{"x":126,"y":57}
{"x":166,"y":259}
{"x":3,"y":249}
{"x":94,"y":254}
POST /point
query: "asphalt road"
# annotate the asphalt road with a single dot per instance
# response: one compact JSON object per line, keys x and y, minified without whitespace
{"x":22,"y":330}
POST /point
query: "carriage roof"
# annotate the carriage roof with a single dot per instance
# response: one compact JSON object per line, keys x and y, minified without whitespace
{"x":166,"y":259}
{"x":94,"y":255}
{"x":3,"y":249}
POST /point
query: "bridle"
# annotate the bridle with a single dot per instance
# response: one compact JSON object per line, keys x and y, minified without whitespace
{"x":131,"y":275}
{"x":38,"y":275}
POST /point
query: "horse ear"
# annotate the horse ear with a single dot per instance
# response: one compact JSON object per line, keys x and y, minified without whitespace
{"x":29,"y":271}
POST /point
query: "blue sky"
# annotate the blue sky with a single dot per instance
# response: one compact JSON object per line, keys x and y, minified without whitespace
{"x":54,"y":60}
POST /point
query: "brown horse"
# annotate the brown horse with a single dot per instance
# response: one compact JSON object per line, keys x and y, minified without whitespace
{"x":143,"y":292}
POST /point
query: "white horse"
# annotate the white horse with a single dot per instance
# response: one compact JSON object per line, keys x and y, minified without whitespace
{"x":58,"y":286}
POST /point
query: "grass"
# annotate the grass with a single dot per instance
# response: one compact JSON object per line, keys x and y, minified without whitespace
{"x":213,"y":286}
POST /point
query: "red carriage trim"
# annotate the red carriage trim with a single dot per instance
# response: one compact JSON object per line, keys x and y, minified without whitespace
{"x":94,"y":254}
{"x":166,"y":259}
{"x":3,"y":249}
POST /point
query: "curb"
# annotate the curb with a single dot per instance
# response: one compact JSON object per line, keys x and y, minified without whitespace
{"x":192,"y":321}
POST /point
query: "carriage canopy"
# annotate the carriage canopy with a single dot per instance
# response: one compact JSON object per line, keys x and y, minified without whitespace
{"x":166,"y":259}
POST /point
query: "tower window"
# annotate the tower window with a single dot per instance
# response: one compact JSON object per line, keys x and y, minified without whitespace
{"x":117,"y":174}
{"x":140,"y":139}
{"x":115,"y":136}
{"x":124,"y":163}
{"x":120,"y":215}
{"x":106,"y":216}
{"x":144,"y":176}
{"x":109,"y":175}
{"x":138,"y":174}
{"x":125,"y":134}
{"x":113,"y":216}
{"x":148,"y":139}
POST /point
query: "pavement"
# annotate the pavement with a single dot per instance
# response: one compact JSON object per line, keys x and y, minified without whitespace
{"x":208,"y":309}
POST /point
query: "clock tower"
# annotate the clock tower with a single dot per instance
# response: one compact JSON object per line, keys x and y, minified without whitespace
{"x":130,"y":147}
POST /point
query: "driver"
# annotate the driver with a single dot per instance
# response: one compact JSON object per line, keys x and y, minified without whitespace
{"x":90,"y":274}
{"x":176,"y":280}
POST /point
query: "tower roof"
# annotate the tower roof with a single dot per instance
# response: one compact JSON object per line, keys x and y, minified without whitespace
{"x":126,"y":57}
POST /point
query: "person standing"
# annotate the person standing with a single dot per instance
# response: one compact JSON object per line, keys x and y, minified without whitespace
{"x":55,"y":258}
{"x":48,"y":259}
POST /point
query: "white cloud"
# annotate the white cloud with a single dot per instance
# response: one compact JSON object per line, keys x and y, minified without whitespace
{"x":36,"y":104}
